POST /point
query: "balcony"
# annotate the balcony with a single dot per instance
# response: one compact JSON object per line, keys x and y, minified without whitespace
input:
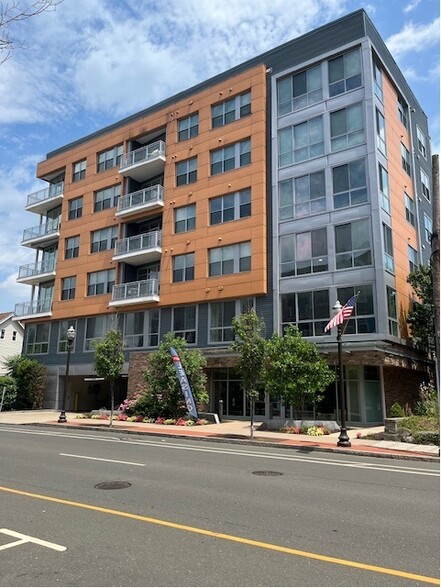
{"x":43,"y":200}
{"x":41,"y":235}
{"x":143,"y":200}
{"x":33,"y":309}
{"x":144,"y":163}
{"x":139,"y":249}
{"x":135,"y":293}
{"x":34,"y":273}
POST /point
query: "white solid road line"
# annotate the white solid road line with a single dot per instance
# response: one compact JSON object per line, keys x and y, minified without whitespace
{"x":28,"y":539}
{"x":102,"y":459}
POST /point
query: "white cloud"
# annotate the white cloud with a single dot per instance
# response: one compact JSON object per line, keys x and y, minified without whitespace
{"x":411,"y":6}
{"x":414,"y":38}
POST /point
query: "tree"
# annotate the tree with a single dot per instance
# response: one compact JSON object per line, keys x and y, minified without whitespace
{"x":420,"y":317}
{"x":248,"y":330}
{"x":30,"y":378}
{"x":15,"y":12}
{"x":162,"y":382}
{"x":109,"y":360}
{"x":293,"y":368}
{"x":8,"y":392}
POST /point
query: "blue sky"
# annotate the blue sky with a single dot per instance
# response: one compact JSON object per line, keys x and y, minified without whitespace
{"x":89,"y":63}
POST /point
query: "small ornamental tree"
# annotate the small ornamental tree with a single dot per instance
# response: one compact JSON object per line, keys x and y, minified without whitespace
{"x":8,"y":392}
{"x":293,"y":369}
{"x":109,"y":360}
{"x":30,"y":377}
{"x":162,"y":382}
{"x":249,"y":343}
{"x":420,"y":317}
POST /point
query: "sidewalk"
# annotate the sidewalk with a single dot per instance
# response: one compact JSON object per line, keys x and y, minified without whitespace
{"x":235,"y":432}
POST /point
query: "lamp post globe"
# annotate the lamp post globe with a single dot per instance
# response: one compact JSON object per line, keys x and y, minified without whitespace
{"x":343,"y":438}
{"x":70,"y":343}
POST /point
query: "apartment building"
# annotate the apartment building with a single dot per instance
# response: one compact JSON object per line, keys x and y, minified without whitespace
{"x":295,"y":179}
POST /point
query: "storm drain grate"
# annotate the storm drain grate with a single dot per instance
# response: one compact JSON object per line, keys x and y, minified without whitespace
{"x":112,"y":485}
{"x":267,"y":473}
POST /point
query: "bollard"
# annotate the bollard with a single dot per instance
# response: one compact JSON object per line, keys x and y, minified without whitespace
{"x":221,"y":410}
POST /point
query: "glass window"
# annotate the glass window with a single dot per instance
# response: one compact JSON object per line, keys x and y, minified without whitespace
{"x":347,"y":127}
{"x":413,"y":258}
{"x":230,"y":207}
{"x":37,"y":338}
{"x":425,"y":184}
{"x":230,"y":259}
{"x":301,"y":142}
{"x":75,"y":208}
{"x":100,"y":282}
{"x":381,"y":132}
{"x":405,"y":159}
{"x":184,"y":323}
{"x":188,"y":127}
{"x":428,"y":228}
{"x":299,"y":90}
{"x":221,"y":315}
{"x":309,"y":311}
{"x":183,"y":267}
{"x":383,"y":179}
{"x":421,"y":140}
{"x":79,"y":170}
{"x":231,"y":157}
{"x":96,"y":328}
{"x":349,"y":184}
{"x":363,"y":317}
{"x":392,"y":311}
{"x":103,"y":239}
{"x":344,"y":73}
{"x":68,"y":288}
{"x":72,"y":247}
{"x":402,"y":111}
{"x":109,"y":158}
{"x":187,"y":171}
{"x":410,"y":209}
{"x":185,"y":218}
{"x":62,"y":334}
{"x":304,"y":253}
{"x":378,"y":80}
{"x":107,"y":198}
{"x":303,"y":196}
{"x":134,"y":330}
{"x":353,"y":244}
{"x":388,"y":248}
{"x":230,"y":110}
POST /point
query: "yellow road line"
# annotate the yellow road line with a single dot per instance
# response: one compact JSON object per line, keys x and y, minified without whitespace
{"x":244,"y":541}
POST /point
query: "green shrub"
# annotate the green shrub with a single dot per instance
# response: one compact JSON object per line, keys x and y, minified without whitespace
{"x":10,"y":394}
{"x":427,"y":405}
{"x":30,"y":378}
{"x":427,"y":438}
{"x":396,"y":410}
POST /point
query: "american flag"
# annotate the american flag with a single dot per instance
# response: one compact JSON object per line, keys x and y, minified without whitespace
{"x":344,"y":313}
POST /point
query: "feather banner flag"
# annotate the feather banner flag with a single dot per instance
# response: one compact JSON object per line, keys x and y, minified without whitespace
{"x":185,"y":386}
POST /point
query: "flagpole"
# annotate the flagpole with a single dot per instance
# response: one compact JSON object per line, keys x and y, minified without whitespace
{"x":343,"y":438}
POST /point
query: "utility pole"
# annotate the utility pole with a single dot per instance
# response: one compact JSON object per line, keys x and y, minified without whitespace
{"x":435,"y":257}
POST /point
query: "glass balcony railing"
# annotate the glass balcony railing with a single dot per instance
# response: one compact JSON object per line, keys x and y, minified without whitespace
{"x":138,"y":243}
{"x":146,"y":198}
{"x":46,"y":194}
{"x":143,"y":154}
{"x":145,"y":290}
{"x":43,"y":230}
{"x":35,"y":269}
{"x":33,"y":308}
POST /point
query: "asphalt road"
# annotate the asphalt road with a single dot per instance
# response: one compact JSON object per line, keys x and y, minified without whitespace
{"x":209,"y":514}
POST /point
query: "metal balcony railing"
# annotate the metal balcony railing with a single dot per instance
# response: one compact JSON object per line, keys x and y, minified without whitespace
{"x":142,"y":198}
{"x":142,"y":289}
{"x":33,"y":307}
{"x":143,"y":154}
{"x":45,"y":194}
{"x":37,"y":268}
{"x":138,"y":243}
{"x":42,"y":230}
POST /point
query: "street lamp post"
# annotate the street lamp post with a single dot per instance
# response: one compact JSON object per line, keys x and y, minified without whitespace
{"x":343,"y":438}
{"x":70,"y":342}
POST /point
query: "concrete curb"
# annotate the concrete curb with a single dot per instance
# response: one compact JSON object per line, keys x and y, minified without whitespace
{"x":381,"y":452}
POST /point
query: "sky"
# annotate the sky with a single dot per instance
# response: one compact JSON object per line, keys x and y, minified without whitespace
{"x":88,"y":63}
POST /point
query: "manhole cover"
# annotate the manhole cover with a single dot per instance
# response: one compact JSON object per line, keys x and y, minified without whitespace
{"x":112,"y":485}
{"x":267,"y":473}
